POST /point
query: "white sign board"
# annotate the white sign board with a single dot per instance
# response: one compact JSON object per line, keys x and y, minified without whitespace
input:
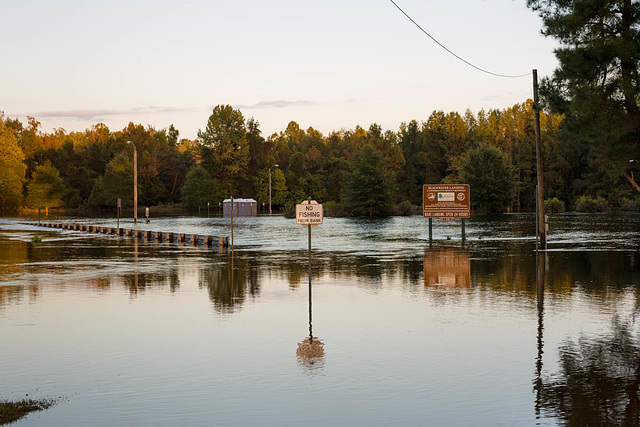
{"x":309,"y":213}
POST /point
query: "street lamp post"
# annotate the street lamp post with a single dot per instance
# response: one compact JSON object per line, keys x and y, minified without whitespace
{"x":135,"y":183}
{"x":270,"y":187}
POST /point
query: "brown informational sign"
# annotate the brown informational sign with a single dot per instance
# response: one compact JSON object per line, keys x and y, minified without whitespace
{"x":446,"y":201}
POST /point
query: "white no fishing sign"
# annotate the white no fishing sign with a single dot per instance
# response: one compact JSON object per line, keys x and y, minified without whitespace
{"x":309,"y":213}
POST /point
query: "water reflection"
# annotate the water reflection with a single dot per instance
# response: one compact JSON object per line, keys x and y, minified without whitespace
{"x":541,"y":267}
{"x":598,"y":382}
{"x":533,"y":324}
{"x":447,"y":267}
{"x":310,"y":354}
{"x":310,"y":351}
{"x":228,"y":282}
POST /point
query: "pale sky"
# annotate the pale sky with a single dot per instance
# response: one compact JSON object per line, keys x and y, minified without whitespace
{"x":329,"y":64}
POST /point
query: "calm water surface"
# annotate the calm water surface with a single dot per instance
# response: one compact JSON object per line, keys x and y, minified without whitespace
{"x":156,"y":334}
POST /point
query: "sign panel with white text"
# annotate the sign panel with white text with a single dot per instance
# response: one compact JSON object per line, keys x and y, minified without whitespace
{"x":446,"y":201}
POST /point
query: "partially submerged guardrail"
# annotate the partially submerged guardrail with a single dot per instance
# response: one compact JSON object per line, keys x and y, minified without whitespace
{"x":150,"y":236}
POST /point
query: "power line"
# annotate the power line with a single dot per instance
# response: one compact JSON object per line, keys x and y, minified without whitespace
{"x":452,"y":53}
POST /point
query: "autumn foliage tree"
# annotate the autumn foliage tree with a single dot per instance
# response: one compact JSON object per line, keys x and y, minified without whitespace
{"x":12,"y":167}
{"x":46,"y":187}
{"x":224,"y":147}
{"x":353,"y":168}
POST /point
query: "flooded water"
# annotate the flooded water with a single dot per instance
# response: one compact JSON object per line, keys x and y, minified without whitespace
{"x":135,"y":333}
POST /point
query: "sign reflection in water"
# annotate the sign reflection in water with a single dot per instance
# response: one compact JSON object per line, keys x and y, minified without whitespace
{"x":447,"y":267}
{"x":310,"y":351}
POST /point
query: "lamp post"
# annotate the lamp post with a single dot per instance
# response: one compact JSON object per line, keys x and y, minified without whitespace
{"x":135,"y":183}
{"x":270,"y":187}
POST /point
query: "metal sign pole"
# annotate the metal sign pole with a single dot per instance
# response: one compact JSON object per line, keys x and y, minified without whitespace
{"x":310,"y":331}
{"x":309,"y":214}
{"x":464,"y":235}
{"x":310,"y":315}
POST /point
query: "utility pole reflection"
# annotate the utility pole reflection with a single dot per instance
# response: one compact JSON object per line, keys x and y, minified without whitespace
{"x":541,"y":267}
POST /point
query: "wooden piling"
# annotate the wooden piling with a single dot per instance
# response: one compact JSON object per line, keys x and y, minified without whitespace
{"x":181,"y":238}
{"x":194,"y":239}
{"x":158,"y":236}
{"x":170,"y":237}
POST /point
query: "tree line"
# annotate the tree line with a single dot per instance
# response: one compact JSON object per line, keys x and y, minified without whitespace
{"x":361,"y":172}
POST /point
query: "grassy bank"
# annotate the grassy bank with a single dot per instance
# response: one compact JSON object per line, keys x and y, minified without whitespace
{"x":13,"y":411}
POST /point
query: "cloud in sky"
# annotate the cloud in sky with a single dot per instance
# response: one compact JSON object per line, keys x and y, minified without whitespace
{"x":88,"y":114}
{"x":277,"y":104}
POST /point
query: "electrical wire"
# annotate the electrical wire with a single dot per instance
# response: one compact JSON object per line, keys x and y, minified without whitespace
{"x":452,"y":53}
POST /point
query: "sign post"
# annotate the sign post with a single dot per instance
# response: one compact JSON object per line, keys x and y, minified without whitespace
{"x":311,"y":215}
{"x":118,"y":207}
{"x":446,"y":202}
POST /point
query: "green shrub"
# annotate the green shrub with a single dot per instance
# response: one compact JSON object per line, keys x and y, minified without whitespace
{"x":290,"y":210}
{"x":334,"y":209}
{"x":403,"y":209}
{"x":589,"y":204}
{"x":554,"y":205}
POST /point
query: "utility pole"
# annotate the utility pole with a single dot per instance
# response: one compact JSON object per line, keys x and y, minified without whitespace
{"x":542,"y":229}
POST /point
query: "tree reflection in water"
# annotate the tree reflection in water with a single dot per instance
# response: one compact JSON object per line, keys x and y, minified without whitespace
{"x":227,"y":282}
{"x":598,"y":381}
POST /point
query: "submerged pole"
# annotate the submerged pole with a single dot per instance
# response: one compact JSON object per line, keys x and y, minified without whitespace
{"x":464,"y":234}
